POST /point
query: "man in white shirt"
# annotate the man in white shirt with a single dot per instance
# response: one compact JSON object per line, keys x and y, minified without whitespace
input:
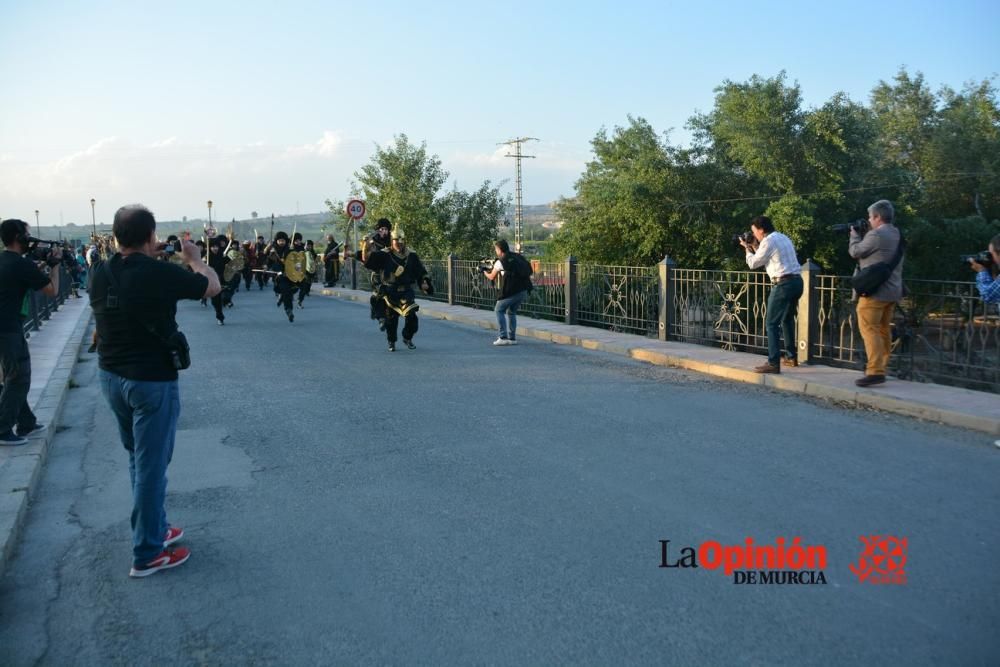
{"x":776,"y":254}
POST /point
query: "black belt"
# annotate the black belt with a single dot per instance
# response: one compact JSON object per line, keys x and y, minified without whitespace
{"x":781,"y":279}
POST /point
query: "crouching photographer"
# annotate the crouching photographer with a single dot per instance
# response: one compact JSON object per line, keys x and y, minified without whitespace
{"x":986,"y":266}
{"x":18,"y":276}
{"x":134,"y":298}
{"x":514,"y":273}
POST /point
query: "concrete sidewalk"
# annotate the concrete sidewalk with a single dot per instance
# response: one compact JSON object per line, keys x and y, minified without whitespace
{"x":54,"y":350}
{"x":979,"y":411}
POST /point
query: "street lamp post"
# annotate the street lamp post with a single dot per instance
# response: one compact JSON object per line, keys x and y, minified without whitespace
{"x":38,"y":229}
{"x":93,"y":218}
{"x":209,"y":212}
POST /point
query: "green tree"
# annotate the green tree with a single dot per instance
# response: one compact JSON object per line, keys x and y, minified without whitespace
{"x":402,"y":183}
{"x":962,"y":158}
{"x":472,"y":219}
{"x":621,"y":211}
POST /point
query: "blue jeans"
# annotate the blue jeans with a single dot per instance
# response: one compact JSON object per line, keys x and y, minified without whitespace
{"x":147,"y":422}
{"x":506,"y":310}
{"x":782,"y":305}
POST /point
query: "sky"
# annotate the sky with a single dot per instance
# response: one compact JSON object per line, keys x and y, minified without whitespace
{"x":272,"y":106}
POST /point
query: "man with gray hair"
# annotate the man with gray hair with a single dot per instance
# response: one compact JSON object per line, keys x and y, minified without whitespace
{"x":875,"y":310}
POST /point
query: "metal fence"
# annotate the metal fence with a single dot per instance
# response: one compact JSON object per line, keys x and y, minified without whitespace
{"x":41,"y":307}
{"x":942,"y":332}
{"x":722,"y":308}
{"x":618,"y":298}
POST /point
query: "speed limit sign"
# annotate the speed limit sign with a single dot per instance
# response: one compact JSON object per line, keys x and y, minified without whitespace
{"x":355,"y":209}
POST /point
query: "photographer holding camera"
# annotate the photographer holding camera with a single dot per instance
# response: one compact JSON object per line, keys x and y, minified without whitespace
{"x":883,"y":244}
{"x":515,"y":281}
{"x":18,"y":275}
{"x":134,"y":298}
{"x":776,"y":254}
{"x":987,"y":281}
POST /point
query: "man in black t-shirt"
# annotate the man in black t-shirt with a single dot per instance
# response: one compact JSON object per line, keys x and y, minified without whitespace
{"x":18,"y":275}
{"x":135,"y":307}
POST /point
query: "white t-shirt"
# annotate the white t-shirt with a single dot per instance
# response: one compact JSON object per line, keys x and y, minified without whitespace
{"x":498,"y":265}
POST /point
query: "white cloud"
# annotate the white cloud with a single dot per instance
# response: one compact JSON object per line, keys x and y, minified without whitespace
{"x":180,"y":175}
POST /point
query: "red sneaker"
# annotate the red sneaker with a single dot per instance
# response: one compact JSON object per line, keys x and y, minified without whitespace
{"x":174,"y":534}
{"x":167,"y":559}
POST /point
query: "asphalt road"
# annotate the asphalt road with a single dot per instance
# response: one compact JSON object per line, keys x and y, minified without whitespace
{"x":462,"y":503}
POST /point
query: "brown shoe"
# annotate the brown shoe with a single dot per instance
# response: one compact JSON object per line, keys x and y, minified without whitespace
{"x":869,"y":380}
{"x":788,"y":361}
{"x":767,"y":368}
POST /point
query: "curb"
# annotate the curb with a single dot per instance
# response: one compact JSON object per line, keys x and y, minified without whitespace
{"x":22,"y":469}
{"x":641,"y":352}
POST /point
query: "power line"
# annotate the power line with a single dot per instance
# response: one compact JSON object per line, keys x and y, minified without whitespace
{"x":946,"y":178}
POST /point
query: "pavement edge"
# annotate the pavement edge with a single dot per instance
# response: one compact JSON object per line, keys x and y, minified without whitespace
{"x":20,"y":476}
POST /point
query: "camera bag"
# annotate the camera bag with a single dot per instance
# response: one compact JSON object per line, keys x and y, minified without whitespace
{"x":866,"y":281}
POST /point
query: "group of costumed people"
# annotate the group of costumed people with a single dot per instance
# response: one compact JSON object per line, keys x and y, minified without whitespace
{"x":290,"y":265}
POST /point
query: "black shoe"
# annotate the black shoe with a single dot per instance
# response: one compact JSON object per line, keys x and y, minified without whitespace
{"x":34,"y":430}
{"x":220,"y":321}
{"x":409,"y":344}
{"x":300,"y":305}
{"x":291,"y":315}
{"x":869,"y":380}
{"x":392,"y":347}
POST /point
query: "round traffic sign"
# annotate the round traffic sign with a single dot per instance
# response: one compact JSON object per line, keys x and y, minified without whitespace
{"x":355,"y":209}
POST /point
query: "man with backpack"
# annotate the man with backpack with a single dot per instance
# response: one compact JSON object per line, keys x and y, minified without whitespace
{"x":513,"y":273}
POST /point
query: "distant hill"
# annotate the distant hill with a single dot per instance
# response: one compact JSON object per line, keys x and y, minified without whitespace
{"x":539,"y":223}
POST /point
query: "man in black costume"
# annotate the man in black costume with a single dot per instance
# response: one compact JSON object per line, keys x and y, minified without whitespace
{"x":217,"y":260}
{"x":378,"y":240}
{"x":284,"y":288}
{"x":397,"y":269}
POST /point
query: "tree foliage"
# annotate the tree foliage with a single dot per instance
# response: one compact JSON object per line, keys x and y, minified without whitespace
{"x":403,"y":182}
{"x":759,"y":151}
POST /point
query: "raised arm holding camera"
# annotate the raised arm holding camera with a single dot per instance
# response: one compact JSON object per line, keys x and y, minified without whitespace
{"x":18,"y":276}
{"x":774,"y":251}
{"x":883,"y":244}
{"x":986,"y":267}
{"x":134,"y":298}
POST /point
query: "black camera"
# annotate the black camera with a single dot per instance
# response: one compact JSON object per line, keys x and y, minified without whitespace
{"x":860,"y":226}
{"x":745,"y":237}
{"x":486,"y":264}
{"x":172,"y":247}
{"x":50,"y":252}
{"x":984,"y":258}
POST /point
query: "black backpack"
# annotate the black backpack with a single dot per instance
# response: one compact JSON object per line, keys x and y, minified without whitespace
{"x":518,"y":273}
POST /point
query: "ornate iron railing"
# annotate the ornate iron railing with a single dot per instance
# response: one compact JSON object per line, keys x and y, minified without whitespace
{"x":723,"y":308}
{"x":942,"y":331}
{"x":618,"y":298}
{"x":547,"y":300}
